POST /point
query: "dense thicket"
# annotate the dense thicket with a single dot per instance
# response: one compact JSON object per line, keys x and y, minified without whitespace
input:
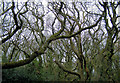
{"x":60,"y":41}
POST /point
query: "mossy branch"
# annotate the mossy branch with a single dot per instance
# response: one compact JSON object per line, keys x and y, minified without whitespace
{"x":66,"y":70}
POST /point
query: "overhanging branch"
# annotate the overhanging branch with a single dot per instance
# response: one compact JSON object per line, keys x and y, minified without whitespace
{"x":9,"y":65}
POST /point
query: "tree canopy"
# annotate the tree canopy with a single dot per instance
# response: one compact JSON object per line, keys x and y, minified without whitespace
{"x":61,"y":40}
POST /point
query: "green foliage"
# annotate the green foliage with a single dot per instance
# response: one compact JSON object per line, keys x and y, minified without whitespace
{"x":27,"y":73}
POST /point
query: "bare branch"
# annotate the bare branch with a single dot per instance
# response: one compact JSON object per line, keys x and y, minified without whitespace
{"x":52,"y":38}
{"x":66,"y":70}
{"x":6,"y":11}
{"x":16,"y":23}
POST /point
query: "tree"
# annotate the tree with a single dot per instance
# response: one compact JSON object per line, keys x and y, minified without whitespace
{"x":18,"y":24}
{"x":80,"y":41}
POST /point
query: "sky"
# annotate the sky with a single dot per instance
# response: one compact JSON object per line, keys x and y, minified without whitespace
{"x":57,"y":0}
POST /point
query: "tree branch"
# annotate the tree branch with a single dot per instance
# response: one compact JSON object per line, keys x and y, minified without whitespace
{"x":66,"y":70}
{"x":52,"y":38}
{"x":16,"y":22}
{"x":9,"y":65}
{"x":6,"y":11}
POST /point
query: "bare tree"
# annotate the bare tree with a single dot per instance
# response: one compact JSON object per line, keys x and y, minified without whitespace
{"x":27,"y":23}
